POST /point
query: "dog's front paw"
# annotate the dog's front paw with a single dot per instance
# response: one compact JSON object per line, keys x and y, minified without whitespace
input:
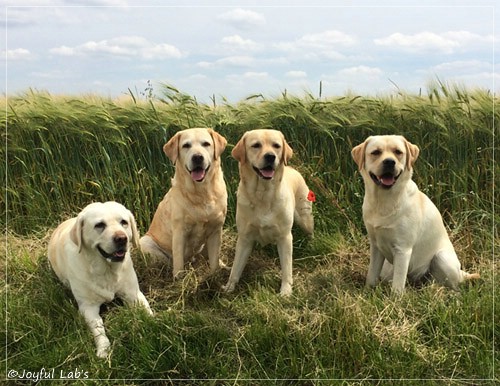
{"x":229,"y":287}
{"x":148,"y":309}
{"x":286,"y":290}
{"x":103,"y":349}
{"x":179,"y":275}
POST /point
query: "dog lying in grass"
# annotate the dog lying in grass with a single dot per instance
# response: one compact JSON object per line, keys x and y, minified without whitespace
{"x":91,"y":255}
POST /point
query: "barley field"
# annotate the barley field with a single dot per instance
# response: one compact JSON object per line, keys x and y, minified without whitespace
{"x":63,"y":152}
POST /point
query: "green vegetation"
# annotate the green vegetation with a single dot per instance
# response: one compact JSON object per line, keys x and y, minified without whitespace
{"x":65,"y":152}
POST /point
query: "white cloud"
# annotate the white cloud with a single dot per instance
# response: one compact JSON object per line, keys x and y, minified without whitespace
{"x":236,"y":61}
{"x":242,"y":18}
{"x":205,"y":64}
{"x":249,"y":78}
{"x":462,"y":65}
{"x":237,"y":43}
{"x":244,"y":61}
{"x":326,"y":39}
{"x":63,"y":51}
{"x":17,"y":54}
{"x":318,"y":46}
{"x":466,"y":38}
{"x":361,"y":71}
{"x":255,"y":75}
{"x":123,"y":46}
{"x":448,"y":42}
{"x":356,"y":79}
{"x":162,"y":51}
{"x":266,"y":48}
{"x":318,"y":43}
{"x":54,"y":75}
{"x":229,"y":61}
{"x":472,"y":73}
{"x":296,"y":74}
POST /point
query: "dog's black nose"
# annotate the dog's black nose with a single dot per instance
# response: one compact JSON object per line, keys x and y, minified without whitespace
{"x":389,"y":163}
{"x":120,"y":239}
{"x":269,"y":158}
{"x":197,"y":159}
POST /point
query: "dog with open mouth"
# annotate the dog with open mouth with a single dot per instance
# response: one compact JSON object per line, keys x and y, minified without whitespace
{"x":271,"y":197}
{"x":91,"y":255}
{"x":406,"y":231}
{"x":191,"y":215}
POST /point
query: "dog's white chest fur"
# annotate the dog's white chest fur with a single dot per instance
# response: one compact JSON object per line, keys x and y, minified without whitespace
{"x":265,"y":219}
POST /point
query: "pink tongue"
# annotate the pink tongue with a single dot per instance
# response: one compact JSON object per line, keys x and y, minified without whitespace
{"x":268,"y":173}
{"x":119,"y":254}
{"x":387,"y":180}
{"x":198,"y":174}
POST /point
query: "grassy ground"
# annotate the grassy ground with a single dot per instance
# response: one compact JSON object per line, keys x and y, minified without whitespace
{"x":331,"y":328}
{"x":65,"y":152}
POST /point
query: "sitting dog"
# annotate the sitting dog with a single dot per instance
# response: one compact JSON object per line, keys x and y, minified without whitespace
{"x":271,"y":196}
{"x":406,"y":231}
{"x":192,"y":213}
{"x":91,"y":255}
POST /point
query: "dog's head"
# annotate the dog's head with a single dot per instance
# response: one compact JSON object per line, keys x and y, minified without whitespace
{"x":107,"y":227}
{"x":383,"y":159}
{"x":263,"y":150}
{"x":195,"y":150}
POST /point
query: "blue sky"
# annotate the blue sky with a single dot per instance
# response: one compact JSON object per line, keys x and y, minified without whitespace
{"x":234,"y":49}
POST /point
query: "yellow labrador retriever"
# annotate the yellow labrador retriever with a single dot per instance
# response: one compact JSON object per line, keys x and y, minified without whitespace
{"x":406,"y":231}
{"x":192,"y":213}
{"x":271,"y":196}
{"x":91,"y":255}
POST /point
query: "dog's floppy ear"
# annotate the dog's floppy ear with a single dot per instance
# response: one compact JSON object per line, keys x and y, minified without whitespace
{"x":287,"y":151}
{"x":219,"y":143}
{"x":135,"y":231}
{"x":358,"y":154}
{"x":76,"y":232}
{"x":171,"y":148}
{"x":239,"y":150}
{"x":412,"y":152}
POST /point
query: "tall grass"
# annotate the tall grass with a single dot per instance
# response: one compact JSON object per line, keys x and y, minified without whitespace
{"x":63,"y":152}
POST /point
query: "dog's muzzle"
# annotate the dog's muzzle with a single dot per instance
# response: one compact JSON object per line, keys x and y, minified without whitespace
{"x":267,"y":172}
{"x":388,"y":177}
{"x":198,"y":171}
{"x":120,"y":240}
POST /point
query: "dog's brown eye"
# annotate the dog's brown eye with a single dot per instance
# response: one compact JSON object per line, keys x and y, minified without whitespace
{"x":100,"y":225}
{"x":398,"y":152}
{"x":376,"y":152}
{"x":276,"y":145}
{"x":186,"y":146}
{"x":257,"y":145}
{"x":205,"y":144}
{"x":124,"y":223}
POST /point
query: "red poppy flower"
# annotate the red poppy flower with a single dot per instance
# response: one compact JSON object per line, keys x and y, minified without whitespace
{"x":311,"y":196}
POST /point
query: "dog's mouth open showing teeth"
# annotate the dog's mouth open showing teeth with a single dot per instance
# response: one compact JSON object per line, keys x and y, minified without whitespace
{"x":115,"y":257}
{"x":198,"y":174}
{"x":386,"y":180}
{"x":267,"y":173}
